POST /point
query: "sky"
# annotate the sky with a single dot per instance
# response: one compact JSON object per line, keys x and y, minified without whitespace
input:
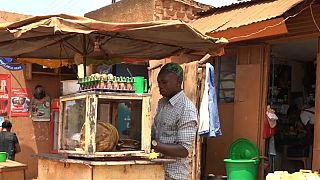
{"x":73,"y":7}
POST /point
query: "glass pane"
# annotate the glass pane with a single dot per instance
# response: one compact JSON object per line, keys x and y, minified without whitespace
{"x":125,"y":117}
{"x":227,"y":76}
{"x":55,"y":130}
{"x":73,"y":120}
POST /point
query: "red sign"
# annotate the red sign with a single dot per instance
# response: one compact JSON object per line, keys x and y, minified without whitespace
{"x":5,"y":87}
{"x":20,"y":102}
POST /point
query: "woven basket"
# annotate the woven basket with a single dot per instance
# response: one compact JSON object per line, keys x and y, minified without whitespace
{"x":107,"y":137}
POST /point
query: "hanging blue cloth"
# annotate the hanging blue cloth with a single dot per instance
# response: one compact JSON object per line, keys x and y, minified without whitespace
{"x":209,"y":107}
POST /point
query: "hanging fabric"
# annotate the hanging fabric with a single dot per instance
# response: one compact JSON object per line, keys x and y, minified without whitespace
{"x":209,"y":124}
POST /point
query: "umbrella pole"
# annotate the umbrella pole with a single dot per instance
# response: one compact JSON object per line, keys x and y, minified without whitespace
{"x":84,"y":54}
{"x":84,"y":66}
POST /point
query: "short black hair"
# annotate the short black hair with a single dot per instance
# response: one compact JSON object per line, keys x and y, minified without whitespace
{"x":39,"y":92}
{"x":7,"y":124}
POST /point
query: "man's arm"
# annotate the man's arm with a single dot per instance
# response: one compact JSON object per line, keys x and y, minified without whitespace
{"x":17,"y":145}
{"x":175,"y":150}
{"x":18,"y":149}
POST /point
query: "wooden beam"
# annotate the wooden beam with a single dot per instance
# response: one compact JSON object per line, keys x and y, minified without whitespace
{"x":316,"y":146}
{"x":252,"y":31}
{"x":146,"y":125}
{"x":290,"y":38}
{"x":265,"y":68}
{"x":28,"y":71}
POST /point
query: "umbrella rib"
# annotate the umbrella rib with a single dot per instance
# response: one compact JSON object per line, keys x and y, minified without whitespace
{"x":117,"y":35}
{"x":71,"y":46}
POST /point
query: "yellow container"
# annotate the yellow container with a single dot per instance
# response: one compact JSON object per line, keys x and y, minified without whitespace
{"x":301,"y":175}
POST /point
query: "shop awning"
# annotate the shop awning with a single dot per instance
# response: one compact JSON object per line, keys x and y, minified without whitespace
{"x":64,"y":36}
{"x":242,"y":14}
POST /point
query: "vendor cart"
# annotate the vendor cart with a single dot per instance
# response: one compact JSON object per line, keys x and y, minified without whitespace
{"x":86,"y":152}
{"x":92,"y":143}
{"x":81,"y":115}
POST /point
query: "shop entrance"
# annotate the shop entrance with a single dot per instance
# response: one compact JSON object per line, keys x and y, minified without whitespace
{"x":292,"y":89}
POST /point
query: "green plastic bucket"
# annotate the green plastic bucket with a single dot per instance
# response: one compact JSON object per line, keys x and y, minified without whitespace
{"x":3,"y":156}
{"x":242,"y":169}
{"x":243,"y":160}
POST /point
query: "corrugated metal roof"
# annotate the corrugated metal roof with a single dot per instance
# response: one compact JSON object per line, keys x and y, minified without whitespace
{"x":11,"y":17}
{"x":243,"y":14}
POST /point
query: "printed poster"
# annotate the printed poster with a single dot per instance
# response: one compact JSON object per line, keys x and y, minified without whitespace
{"x":20,"y":102}
{"x":5,"y":89}
{"x":41,"y":109}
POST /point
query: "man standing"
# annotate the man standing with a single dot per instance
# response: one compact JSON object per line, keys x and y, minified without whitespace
{"x":175,"y":123}
{"x":8,"y":141}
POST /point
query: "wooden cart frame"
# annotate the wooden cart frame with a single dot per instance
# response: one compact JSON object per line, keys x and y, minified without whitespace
{"x":91,"y":121}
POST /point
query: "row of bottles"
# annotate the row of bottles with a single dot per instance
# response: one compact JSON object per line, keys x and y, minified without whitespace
{"x":106,"y":82}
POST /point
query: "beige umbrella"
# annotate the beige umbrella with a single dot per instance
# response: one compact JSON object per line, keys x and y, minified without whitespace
{"x":64,"y":37}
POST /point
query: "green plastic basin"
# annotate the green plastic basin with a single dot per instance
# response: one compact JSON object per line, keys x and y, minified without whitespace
{"x":242,"y":169}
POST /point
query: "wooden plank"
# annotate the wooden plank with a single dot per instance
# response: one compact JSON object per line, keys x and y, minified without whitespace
{"x":60,"y":126}
{"x":104,"y":154}
{"x":129,"y":172}
{"x":109,"y":94}
{"x":153,"y":84}
{"x":190,"y":87}
{"x":247,"y":106}
{"x":62,"y":99}
{"x":123,"y":161}
{"x":146,"y":125}
{"x":265,"y":68}
{"x":12,"y":170}
{"x":11,"y":166}
{"x":90,"y":124}
{"x":114,"y":115}
{"x":316,"y":146}
{"x":13,"y":175}
{"x":48,"y":169}
{"x":199,"y":141}
{"x":121,"y":97}
{"x":28,"y":71}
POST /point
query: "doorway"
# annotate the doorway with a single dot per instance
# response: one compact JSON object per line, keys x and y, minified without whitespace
{"x":291,"y":93}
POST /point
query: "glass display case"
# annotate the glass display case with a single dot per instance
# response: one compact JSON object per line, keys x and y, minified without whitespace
{"x":104,"y":124}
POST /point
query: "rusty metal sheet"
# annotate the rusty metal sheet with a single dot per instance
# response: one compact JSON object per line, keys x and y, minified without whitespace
{"x":243,"y":14}
{"x":11,"y":17}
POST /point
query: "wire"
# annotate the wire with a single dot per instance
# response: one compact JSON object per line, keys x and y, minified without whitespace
{"x":16,"y":79}
{"x":314,"y":20}
{"x":267,"y":27}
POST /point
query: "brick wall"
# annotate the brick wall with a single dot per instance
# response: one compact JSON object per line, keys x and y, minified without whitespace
{"x":124,"y":11}
{"x":184,"y":10}
{"x":148,"y":10}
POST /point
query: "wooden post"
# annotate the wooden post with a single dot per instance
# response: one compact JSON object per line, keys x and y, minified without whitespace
{"x":316,"y":140}
{"x":265,"y":64}
{"x":146,"y":125}
{"x":28,"y":71}
{"x":90,"y":124}
{"x":190,"y":87}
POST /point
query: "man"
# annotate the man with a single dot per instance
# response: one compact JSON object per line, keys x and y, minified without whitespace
{"x":307,"y":117}
{"x":8,"y":141}
{"x":175,"y":124}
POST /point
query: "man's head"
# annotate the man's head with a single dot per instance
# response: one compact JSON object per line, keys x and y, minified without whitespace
{"x":170,"y":79}
{"x":7,"y":125}
{"x":39,"y":92}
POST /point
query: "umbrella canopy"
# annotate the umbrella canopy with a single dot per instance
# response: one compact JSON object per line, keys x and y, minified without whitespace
{"x":64,"y":36}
